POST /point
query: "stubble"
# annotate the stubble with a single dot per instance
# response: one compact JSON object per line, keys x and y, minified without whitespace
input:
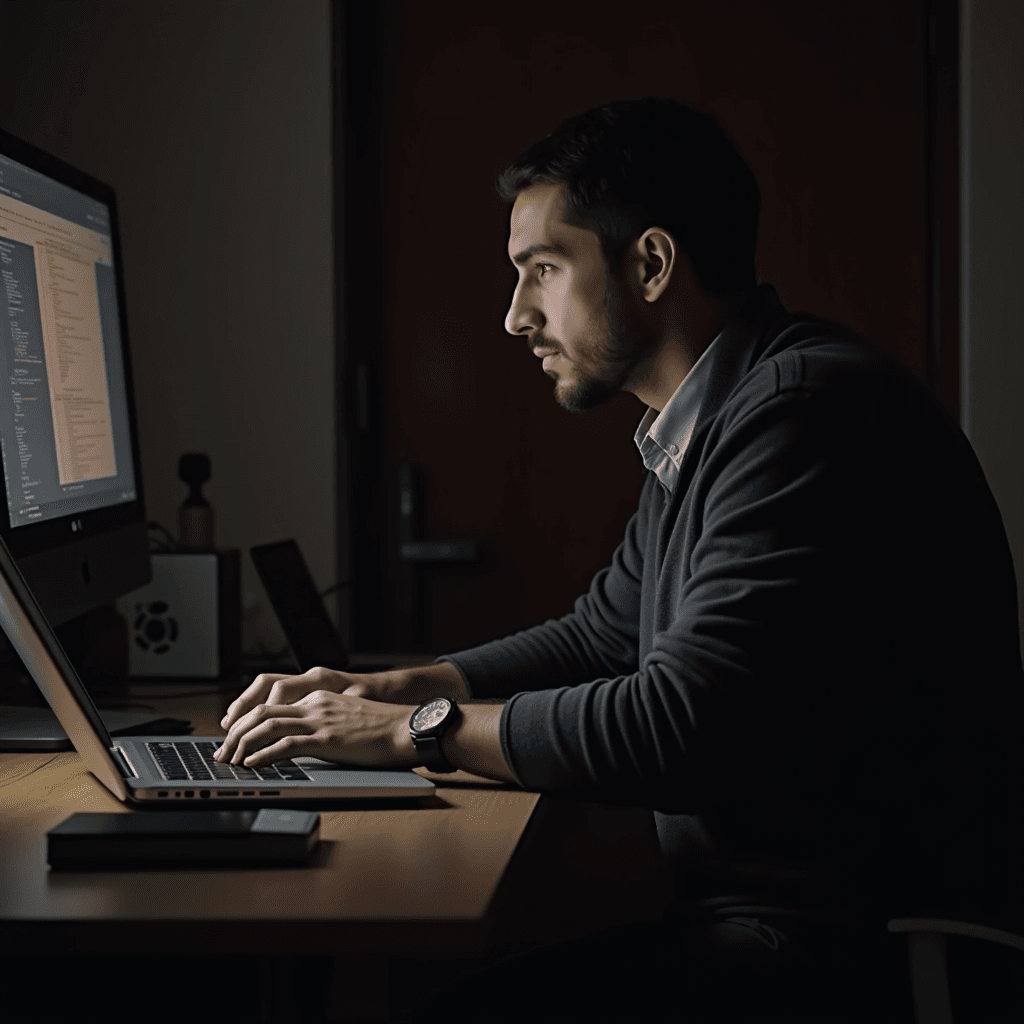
{"x":607,"y":357}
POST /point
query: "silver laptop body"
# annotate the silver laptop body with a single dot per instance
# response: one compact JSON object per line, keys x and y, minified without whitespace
{"x":128,"y":767}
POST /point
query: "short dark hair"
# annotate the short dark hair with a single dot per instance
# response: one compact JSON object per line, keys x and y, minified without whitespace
{"x":633,"y":164}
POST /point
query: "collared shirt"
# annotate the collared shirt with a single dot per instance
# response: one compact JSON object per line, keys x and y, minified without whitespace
{"x":664,"y":437}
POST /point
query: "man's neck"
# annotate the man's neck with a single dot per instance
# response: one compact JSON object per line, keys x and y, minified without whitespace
{"x":682,"y":346}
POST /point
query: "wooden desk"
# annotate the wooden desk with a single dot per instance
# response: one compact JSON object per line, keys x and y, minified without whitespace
{"x":481,"y":870}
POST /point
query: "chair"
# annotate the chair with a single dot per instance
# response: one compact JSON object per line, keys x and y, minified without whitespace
{"x":926,"y":948}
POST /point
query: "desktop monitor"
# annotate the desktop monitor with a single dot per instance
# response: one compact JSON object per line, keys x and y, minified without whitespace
{"x":73,"y":515}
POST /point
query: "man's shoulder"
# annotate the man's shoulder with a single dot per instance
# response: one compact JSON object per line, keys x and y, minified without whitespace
{"x":835,"y":382}
{"x":800,"y":353}
{"x":811,"y":351}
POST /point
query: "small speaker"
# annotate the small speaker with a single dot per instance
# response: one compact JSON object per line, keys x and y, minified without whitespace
{"x":187,"y":623}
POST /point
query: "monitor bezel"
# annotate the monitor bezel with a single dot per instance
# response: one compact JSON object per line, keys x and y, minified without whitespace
{"x":49,"y":534}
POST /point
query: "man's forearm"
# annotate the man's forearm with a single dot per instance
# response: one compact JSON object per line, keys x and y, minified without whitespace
{"x":472,"y":744}
{"x":428,"y":681}
{"x":406,"y":685}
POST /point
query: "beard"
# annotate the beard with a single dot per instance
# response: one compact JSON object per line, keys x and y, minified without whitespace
{"x":608,"y":356}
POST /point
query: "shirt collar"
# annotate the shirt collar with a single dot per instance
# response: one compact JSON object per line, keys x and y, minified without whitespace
{"x":664,"y":437}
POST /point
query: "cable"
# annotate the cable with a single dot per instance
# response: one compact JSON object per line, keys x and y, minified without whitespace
{"x":337,"y":586}
{"x":25,"y":775}
{"x":168,"y":544}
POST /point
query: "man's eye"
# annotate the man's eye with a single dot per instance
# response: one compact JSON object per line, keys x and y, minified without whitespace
{"x":543,"y":268}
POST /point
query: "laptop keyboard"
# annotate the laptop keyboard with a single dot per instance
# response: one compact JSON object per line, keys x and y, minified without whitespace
{"x":179,"y":762}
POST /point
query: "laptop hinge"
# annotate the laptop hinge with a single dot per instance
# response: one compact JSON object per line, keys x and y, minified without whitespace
{"x":123,"y":764}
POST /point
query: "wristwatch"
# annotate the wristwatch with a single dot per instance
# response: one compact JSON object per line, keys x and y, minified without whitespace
{"x":427,"y":726}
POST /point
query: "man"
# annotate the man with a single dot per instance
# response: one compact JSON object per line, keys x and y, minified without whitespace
{"x":804,"y":655}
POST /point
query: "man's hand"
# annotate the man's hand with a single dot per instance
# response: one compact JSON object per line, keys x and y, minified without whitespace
{"x":275,"y":688}
{"x":403,"y":686}
{"x":333,"y":726}
{"x":358,"y":719}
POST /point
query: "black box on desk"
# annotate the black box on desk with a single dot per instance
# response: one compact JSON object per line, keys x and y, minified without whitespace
{"x":187,"y":623}
{"x":183,"y":838}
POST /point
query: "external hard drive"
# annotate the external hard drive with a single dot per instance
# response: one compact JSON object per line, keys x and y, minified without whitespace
{"x":144,"y":838}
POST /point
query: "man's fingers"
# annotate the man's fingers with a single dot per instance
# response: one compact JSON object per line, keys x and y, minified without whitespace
{"x":254,"y":719}
{"x":257,"y":693}
{"x":280,"y":733}
{"x":275,"y":688}
{"x":294,"y":745}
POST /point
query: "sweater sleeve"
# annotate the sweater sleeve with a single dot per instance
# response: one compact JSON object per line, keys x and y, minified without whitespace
{"x":699,"y":706}
{"x":598,"y":638}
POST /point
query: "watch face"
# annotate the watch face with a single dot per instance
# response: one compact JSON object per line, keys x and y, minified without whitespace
{"x":430,"y":714}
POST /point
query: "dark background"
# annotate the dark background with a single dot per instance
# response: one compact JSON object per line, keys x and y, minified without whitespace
{"x":848,"y":120}
{"x":211,"y":119}
{"x":316,"y":269}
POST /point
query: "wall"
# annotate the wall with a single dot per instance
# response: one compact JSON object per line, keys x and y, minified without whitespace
{"x":212,"y":123}
{"x":992,"y":226}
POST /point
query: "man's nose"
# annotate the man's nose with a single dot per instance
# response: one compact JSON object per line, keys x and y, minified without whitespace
{"x":522,"y":316}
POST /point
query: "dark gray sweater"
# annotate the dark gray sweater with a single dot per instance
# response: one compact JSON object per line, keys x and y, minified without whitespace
{"x":804,"y":657}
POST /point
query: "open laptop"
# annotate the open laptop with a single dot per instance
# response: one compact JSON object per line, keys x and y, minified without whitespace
{"x":167,"y":769}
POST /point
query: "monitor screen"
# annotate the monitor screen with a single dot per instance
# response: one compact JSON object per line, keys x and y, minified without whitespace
{"x":64,"y":430}
{"x":70,"y":464}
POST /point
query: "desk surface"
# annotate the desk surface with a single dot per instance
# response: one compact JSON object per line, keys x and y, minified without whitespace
{"x":480,"y":866}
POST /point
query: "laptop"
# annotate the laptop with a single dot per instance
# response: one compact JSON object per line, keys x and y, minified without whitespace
{"x":307,"y":627}
{"x":151,"y":770}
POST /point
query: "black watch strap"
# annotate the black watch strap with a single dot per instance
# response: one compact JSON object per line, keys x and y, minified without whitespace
{"x":428,"y":749}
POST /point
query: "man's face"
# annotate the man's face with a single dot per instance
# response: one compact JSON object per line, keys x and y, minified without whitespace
{"x":566,"y":304}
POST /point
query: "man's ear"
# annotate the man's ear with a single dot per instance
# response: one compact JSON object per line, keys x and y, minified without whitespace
{"x":656,"y":261}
